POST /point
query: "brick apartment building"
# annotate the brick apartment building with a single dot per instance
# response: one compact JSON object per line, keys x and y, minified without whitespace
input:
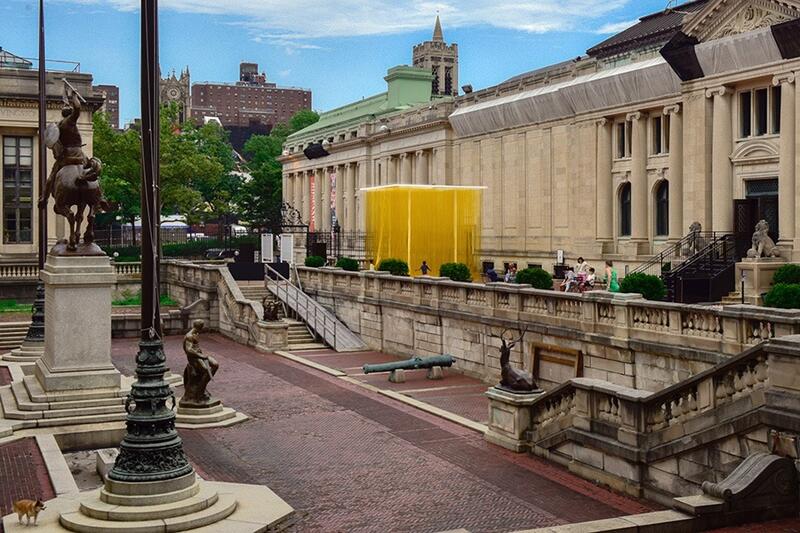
{"x":110,"y":94}
{"x":250,"y":106}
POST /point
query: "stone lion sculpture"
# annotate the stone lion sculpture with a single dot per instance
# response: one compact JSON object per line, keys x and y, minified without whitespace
{"x":695,"y":243}
{"x":763,"y":245}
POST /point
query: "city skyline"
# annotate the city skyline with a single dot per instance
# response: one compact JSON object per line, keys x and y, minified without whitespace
{"x":337,"y":67}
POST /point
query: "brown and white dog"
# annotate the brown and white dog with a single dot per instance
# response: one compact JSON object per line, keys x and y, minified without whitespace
{"x":28,"y":508}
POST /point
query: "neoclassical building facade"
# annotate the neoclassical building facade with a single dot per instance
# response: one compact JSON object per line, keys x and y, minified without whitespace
{"x":688,"y":116}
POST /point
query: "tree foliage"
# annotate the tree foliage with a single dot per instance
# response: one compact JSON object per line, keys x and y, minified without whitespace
{"x":455,"y":271}
{"x":537,"y":277}
{"x":196,"y":168}
{"x":649,"y":286}
{"x":260,"y":198}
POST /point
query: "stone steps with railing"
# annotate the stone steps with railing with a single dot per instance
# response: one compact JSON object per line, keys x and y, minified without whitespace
{"x":666,"y":444}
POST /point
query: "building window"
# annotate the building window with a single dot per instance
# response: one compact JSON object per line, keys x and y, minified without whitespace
{"x":17,"y":190}
{"x":448,"y":80}
{"x":623,"y":139}
{"x":625,"y":210}
{"x":659,"y":135}
{"x":662,"y":208}
{"x":759,"y":112}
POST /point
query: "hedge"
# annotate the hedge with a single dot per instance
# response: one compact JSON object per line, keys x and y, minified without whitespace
{"x":649,"y":286}
{"x":397,"y":267}
{"x":347,"y":263}
{"x":539,"y":278}
{"x":783,"y":295}
{"x":455,"y":271}
{"x":788,"y":274}
{"x":315,"y":261}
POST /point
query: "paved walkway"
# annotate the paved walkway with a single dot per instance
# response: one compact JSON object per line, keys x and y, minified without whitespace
{"x":456,"y":393}
{"x":350,"y":460}
{"x":23,"y":474}
{"x":5,"y":376}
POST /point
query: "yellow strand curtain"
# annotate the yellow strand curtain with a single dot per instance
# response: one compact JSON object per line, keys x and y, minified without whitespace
{"x":434,"y":224}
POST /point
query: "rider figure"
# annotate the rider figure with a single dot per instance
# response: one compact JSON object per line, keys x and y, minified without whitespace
{"x":68,"y":149}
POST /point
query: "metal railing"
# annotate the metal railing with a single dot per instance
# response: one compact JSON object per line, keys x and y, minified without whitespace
{"x":322,"y":322}
{"x":708,"y":275}
{"x":675,"y":254}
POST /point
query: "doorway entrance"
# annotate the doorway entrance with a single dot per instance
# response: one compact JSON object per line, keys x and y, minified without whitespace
{"x":760,"y":203}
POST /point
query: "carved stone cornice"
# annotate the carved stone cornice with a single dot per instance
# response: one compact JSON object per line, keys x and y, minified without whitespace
{"x":783,"y":77}
{"x":674,"y":109}
{"x":720,"y":91}
{"x":721,"y":18}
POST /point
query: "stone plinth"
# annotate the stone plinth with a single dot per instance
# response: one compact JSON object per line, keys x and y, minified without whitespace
{"x":182,"y":504}
{"x":510,"y":417}
{"x":74,"y":381}
{"x":758,"y":277}
{"x":212,"y":415}
{"x":29,"y":352}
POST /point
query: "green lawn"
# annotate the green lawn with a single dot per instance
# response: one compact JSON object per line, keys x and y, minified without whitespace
{"x":130,"y":299}
{"x":11,"y":306}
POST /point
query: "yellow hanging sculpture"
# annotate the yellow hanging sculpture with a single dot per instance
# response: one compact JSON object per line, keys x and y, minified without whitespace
{"x":436,"y":224}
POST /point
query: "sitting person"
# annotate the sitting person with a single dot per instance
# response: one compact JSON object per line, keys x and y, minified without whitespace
{"x":582,"y":267}
{"x":491,"y":275}
{"x":588,"y":283}
{"x":570,"y":280}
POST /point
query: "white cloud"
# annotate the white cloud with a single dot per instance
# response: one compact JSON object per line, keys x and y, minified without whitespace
{"x":615,"y":27}
{"x":293,"y":26}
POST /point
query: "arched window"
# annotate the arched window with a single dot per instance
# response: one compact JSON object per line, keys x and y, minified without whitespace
{"x":662,"y":208}
{"x":625,"y":210}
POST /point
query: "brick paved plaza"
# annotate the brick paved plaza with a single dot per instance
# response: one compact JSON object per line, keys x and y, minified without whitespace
{"x":350,"y":460}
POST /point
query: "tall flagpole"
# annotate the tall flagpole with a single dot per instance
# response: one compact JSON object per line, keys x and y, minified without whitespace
{"x":151,"y":449}
{"x":36,"y":329}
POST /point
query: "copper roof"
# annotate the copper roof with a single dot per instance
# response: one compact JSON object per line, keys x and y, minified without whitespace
{"x":654,"y":29}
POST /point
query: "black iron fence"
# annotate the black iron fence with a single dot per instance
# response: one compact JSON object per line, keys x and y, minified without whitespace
{"x":124,"y":236}
{"x":335,"y":244}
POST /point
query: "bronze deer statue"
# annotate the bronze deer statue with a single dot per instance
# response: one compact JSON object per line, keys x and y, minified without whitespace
{"x":513,"y":379}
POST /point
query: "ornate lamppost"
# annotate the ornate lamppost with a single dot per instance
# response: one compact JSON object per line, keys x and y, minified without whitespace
{"x":151,"y":449}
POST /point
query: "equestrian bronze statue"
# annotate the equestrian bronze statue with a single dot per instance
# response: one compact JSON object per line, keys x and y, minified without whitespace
{"x":73,"y":180}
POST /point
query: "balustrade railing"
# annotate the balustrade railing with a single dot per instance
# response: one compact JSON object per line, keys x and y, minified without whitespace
{"x":19,"y":271}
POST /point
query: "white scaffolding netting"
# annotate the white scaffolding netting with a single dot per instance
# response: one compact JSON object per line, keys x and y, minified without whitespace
{"x":737,"y":52}
{"x":608,"y":88}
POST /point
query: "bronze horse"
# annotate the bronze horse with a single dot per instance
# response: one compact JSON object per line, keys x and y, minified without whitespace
{"x":77,"y":185}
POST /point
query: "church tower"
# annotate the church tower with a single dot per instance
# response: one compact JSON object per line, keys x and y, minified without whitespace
{"x":178,"y":89}
{"x":441,"y":59}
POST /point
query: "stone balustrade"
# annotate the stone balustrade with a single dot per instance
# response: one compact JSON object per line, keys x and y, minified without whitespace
{"x":13,"y":271}
{"x":229,"y":312}
{"x":625,"y":339}
{"x":669,"y":442}
{"x":128,"y":270}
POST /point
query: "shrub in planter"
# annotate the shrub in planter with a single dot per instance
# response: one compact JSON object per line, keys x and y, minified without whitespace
{"x":315,"y":261}
{"x":539,"y":278}
{"x":455,"y":271}
{"x":649,"y":286}
{"x":787,"y":274}
{"x":396,"y":267}
{"x":347,"y":263}
{"x":783,"y":295}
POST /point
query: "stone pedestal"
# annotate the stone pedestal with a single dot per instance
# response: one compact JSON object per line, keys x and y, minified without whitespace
{"x":74,"y":381}
{"x":185,"y":503}
{"x":758,"y":277}
{"x":510,"y":417}
{"x":29,"y":352}
{"x":212,"y":415}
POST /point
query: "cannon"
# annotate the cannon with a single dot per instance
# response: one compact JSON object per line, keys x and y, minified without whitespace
{"x":397,"y":369}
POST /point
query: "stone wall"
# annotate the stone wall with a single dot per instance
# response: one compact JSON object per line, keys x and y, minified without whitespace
{"x":619,"y":338}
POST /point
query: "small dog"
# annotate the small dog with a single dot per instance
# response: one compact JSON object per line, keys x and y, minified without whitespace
{"x":28,"y":508}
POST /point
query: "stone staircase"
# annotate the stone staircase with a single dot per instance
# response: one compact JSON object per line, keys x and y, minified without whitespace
{"x":12,"y":334}
{"x":300,"y":338}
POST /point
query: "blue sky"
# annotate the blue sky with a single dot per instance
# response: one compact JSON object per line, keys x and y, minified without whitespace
{"x":340,"y":49}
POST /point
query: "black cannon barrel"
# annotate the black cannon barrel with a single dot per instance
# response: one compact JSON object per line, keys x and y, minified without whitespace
{"x":411,"y":364}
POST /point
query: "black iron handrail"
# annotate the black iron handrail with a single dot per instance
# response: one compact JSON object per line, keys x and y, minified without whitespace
{"x":689,"y":246}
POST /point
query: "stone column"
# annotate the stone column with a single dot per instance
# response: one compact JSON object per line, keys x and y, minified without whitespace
{"x":391,"y":171}
{"x":721,"y":170}
{"x":675,"y":171}
{"x":786,"y":172}
{"x":318,"y":199}
{"x":341,"y":193}
{"x":361,"y":182}
{"x":350,"y":199}
{"x":421,"y":158}
{"x":639,"y":224}
{"x":405,"y":169}
{"x":305,"y":178}
{"x":605,"y":182}
{"x":326,"y":198}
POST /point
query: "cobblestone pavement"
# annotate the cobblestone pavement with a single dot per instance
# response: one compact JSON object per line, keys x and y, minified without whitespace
{"x":456,"y":393}
{"x":23,"y":474}
{"x":349,"y":460}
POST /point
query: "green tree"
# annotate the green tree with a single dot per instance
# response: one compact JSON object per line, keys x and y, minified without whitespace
{"x":122,"y":169}
{"x":260,"y":198}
